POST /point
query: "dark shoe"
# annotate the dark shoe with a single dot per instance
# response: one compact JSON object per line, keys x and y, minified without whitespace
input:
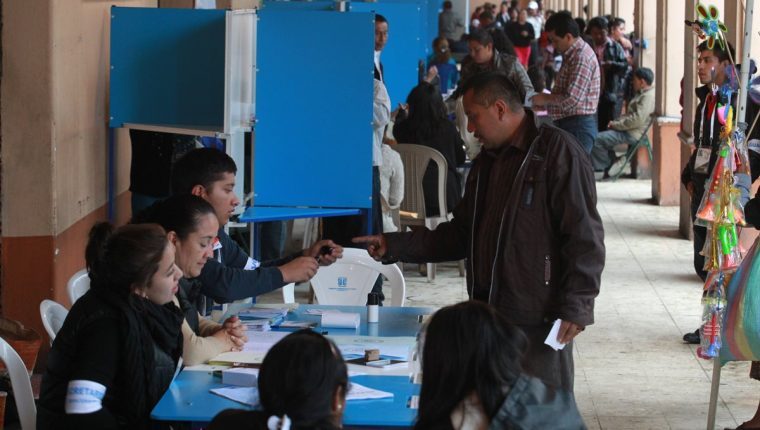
{"x":692,"y":338}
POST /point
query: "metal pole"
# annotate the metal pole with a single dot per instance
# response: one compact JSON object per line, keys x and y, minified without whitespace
{"x":744,"y":59}
{"x":714,"y":394}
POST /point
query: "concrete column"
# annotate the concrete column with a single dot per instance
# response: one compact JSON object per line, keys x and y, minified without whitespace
{"x":685,"y":135}
{"x":690,"y":103}
{"x":666,"y":147}
{"x":645,"y":25}
{"x":593,"y":8}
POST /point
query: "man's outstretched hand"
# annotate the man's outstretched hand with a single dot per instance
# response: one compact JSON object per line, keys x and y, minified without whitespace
{"x":375,"y":245}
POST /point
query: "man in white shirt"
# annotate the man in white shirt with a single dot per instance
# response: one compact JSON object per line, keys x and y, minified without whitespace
{"x":381,"y":38}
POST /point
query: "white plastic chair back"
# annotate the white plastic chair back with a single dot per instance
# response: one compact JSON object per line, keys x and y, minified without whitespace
{"x":53,"y":314}
{"x":78,"y":285}
{"x":350,"y":279}
{"x":22,"y":386}
{"x":416,"y":159}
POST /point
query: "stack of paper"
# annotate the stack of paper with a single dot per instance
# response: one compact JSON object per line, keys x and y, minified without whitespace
{"x":360,"y":392}
{"x":272,"y":316}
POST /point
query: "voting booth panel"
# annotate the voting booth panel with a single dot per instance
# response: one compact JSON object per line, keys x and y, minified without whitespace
{"x":318,"y":5}
{"x":405,"y":47}
{"x":167,"y":67}
{"x":428,"y":14}
{"x":314,"y":91}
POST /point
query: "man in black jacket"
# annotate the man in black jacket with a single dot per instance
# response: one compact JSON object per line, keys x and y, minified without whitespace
{"x":527,"y":224}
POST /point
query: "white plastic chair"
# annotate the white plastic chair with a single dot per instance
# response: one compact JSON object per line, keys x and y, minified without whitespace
{"x":78,"y":285}
{"x":53,"y":314}
{"x":416,"y":159}
{"x":350,"y":279}
{"x":22,"y":386}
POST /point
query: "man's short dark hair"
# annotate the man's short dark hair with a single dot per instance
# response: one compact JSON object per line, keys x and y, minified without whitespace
{"x":447,"y":5}
{"x":721,"y":53}
{"x":481,"y":36}
{"x":489,"y":87}
{"x":562,"y":23}
{"x":616,"y":22}
{"x":598,"y":22}
{"x":379,"y":19}
{"x":486,"y":16}
{"x":202,"y":166}
{"x":644,"y":73}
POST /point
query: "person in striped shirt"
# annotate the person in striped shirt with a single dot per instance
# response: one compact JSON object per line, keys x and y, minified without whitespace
{"x":575,"y":95}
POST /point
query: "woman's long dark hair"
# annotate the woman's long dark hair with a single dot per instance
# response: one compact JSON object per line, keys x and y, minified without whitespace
{"x":427,"y":112}
{"x":120,"y":259}
{"x":299,"y":377}
{"x":179,"y":213}
{"x":468,"y":348}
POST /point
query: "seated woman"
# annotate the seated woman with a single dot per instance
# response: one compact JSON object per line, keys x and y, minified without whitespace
{"x":302,"y":385}
{"x":191,"y":226}
{"x":118,"y":349}
{"x":475,"y":382}
{"x":444,"y":66}
{"x":426,"y":124}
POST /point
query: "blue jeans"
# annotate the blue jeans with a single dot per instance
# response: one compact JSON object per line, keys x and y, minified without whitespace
{"x":603,"y":154}
{"x":583,"y":127}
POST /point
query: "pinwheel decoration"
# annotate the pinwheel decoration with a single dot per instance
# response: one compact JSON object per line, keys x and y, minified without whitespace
{"x":710,"y":24}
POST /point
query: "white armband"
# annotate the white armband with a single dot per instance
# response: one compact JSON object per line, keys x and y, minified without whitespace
{"x":251,"y":264}
{"x":84,"y":397}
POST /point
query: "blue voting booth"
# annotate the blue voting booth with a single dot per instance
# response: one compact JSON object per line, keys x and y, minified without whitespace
{"x":211,"y":72}
{"x":294,"y":73}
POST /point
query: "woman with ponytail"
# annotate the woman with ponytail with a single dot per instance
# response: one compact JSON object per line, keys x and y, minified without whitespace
{"x":302,"y":385}
{"x":191,"y":226}
{"x":120,"y":344}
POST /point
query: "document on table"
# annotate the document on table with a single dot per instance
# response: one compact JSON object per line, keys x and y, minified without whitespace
{"x":551,"y":340}
{"x":245,"y":395}
{"x":254,"y":350}
{"x":392,"y":347}
{"x":360,"y":392}
{"x":262,"y":342}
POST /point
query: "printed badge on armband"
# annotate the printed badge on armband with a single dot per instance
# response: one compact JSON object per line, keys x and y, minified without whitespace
{"x":702,"y":160}
{"x":84,"y":397}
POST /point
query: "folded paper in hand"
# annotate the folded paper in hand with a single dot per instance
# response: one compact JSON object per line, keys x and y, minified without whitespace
{"x":551,"y":340}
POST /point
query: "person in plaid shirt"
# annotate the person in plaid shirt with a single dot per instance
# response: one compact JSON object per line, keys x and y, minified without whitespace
{"x":575,"y":95}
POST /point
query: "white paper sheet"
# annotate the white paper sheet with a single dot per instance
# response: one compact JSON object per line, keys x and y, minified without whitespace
{"x":360,"y":392}
{"x":246,"y":395}
{"x":551,"y":339}
{"x":262,"y":342}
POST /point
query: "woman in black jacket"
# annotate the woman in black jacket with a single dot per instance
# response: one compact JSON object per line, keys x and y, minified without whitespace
{"x":426,"y":124}
{"x":119,"y":346}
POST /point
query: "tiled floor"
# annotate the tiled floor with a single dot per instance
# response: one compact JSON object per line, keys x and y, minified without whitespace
{"x":632,"y":370}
